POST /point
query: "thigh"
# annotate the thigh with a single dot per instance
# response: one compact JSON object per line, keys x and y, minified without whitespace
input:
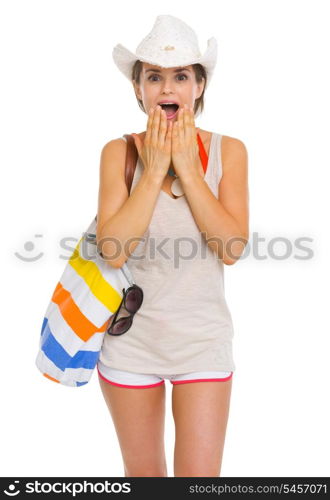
{"x":200,"y":412}
{"x":138,"y":416}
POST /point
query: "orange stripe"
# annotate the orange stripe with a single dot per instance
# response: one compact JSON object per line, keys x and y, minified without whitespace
{"x":74,"y":317}
{"x":50,"y":378}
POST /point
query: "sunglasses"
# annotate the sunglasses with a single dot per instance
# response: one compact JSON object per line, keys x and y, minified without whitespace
{"x":131,"y":301}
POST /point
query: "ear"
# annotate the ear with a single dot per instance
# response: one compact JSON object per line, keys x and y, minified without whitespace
{"x":200,"y":88}
{"x":137,"y":90}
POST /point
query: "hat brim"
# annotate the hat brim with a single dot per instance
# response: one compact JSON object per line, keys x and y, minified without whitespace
{"x":125,"y":59}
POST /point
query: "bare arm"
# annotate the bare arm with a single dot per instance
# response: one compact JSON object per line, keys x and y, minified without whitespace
{"x":123,"y":219}
{"x":223,"y":221}
{"x":118,"y":236}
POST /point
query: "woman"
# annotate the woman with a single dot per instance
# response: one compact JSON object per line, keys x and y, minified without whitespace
{"x":175,"y":232}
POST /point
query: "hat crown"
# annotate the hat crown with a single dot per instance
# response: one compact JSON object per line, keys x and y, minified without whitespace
{"x":170,"y":44}
{"x":170,"y":39}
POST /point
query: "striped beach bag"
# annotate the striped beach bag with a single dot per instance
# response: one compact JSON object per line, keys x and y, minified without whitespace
{"x":88,"y":293}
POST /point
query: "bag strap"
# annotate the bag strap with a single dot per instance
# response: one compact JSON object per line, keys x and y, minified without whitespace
{"x":130,"y":162}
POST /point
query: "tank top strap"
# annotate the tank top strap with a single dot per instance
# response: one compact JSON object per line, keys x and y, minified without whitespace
{"x":214,"y":167}
{"x":217,"y":156}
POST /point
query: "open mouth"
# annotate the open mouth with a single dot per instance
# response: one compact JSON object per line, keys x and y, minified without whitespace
{"x":170,"y":110}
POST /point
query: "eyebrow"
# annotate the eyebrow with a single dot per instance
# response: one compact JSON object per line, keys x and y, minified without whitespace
{"x":175,"y":71}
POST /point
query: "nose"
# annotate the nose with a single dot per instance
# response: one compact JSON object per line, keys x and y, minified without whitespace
{"x":167,"y":86}
{"x":167,"y":91}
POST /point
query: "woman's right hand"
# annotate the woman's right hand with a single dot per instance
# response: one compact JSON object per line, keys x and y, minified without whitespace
{"x":155,"y":152}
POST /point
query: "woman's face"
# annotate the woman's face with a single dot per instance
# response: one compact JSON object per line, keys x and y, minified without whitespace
{"x":177,"y":85}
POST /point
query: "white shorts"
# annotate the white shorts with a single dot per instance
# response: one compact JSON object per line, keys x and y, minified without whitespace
{"x":144,"y":380}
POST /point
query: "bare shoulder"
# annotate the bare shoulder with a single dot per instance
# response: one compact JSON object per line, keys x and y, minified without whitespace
{"x":114,"y":146}
{"x":233,"y":153}
{"x":113,"y":155}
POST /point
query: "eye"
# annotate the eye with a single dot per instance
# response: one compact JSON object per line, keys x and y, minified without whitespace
{"x":180,"y":74}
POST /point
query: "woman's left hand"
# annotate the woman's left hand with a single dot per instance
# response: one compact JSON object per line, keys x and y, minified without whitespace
{"x":185,"y":149}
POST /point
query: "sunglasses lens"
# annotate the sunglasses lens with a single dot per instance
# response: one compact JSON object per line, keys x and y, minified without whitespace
{"x":134,"y":298}
{"x":121,"y":326}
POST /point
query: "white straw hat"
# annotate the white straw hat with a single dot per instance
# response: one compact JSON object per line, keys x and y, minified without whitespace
{"x":170,"y":43}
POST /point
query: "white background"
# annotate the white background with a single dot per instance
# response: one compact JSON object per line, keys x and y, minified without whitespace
{"x":62,"y":99}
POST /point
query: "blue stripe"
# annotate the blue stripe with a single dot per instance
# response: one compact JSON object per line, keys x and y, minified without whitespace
{"x":45,"y":321}
{"x":58,"y":355}
{"x":84,"y":359}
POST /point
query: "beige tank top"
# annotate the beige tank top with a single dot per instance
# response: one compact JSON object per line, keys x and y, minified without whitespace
{"x":184,"y":323}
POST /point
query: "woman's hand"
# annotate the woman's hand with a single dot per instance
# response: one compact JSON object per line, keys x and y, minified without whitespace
{"x":155,"y":152}
{"x":185,"y":149}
